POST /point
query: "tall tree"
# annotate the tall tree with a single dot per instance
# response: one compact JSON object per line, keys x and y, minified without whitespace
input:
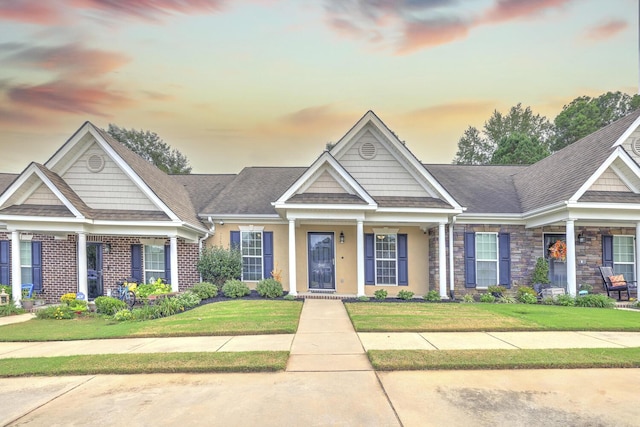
{"x":476,"y":147}
{"x":519,"y":149}
{"x":151,"y":148}
{"x":585,"y":115}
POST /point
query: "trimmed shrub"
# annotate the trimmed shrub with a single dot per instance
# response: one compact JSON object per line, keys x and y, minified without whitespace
{"x":158,"y":287}
{"x":487,"y":298}
{"x":565,"y":300}
{"x":108,"y":305}
{"x":380,"y":294}
{"x":189,"y":299}
{"x":363,"y":298}
{"x":123,"y":315}
{"x":506,"y":299}
{"x":595,"y":300}
{"x":205,"y":290}
{"x":528,"y":299}
{"x":58,"y":312}
{"x":496,"y":290}
{"x":146,"y":312}
{"x":269,"y":288}
{"x":289,"y":297}
{"x":235,"y":289}
{"x":405,"y":295}
{"x":432,"y":296}
{"x":218,"y":265}
{"x":468,"y":299}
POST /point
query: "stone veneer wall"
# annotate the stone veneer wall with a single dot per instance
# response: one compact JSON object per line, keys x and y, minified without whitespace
{"x":60,"y":270}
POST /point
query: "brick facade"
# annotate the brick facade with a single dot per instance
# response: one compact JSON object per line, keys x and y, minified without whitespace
{"x":60,"y":269}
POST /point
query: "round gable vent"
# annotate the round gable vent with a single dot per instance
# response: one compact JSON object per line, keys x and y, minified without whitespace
{"x":95,"y":163}
{"x":367,"y":151}
{"x":635,"y":146}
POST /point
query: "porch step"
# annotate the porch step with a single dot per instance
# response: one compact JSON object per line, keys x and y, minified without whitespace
{"x":324,"y":295}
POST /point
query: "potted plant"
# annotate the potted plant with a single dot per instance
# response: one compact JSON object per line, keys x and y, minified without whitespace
{"x":27,"y":302}
{"x":496,"y":290}
{"x":540,"y":276}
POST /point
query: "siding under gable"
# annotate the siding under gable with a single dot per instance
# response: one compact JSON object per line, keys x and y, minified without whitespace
{"x":326,"y":184}
{"x":110,"y":188}
{"x":382,"y":175}
{"x":43,"y":196}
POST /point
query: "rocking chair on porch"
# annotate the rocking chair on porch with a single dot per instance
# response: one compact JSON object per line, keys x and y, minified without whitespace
{"x":615,"y":283}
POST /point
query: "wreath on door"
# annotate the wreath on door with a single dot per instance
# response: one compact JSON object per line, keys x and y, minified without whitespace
{"x":558,"y":251}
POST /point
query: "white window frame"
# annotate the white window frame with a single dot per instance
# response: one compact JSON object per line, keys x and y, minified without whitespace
{"x":23,"y":264}
{"x":633,"y":252}
{"x":376,"y":259}
{"x":496,"y":260}
{"x":260,"y":232}
{"x":149,"y":273}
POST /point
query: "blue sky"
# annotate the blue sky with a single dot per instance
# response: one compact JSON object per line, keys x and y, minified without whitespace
{"x":269,"y":82}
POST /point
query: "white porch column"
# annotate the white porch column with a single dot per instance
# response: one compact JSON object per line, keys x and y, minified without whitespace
{"x":82,"y":265}
{"x":637,"y":256}
{"x":360,"y":257}
{"x":442,"y":261}
{"x":16,"y":273}
{"x":292,"y":257}
{"x":571,"y":257}
{"x":173,"y":247}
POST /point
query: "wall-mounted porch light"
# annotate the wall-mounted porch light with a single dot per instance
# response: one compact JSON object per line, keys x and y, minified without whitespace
{"x":341,"y":237}
{"x":107,"y":248}
{"x":581,"y":238}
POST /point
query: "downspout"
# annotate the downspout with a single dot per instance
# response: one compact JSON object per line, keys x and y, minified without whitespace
{"x":451,"y":269}
{"x":209,"y":233}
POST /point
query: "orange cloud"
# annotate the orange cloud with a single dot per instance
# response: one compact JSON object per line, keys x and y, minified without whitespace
{"x":150,"y":10}
{"x":507,"y":10}
{"x":606,"y":30}
{"x":423,"y":34}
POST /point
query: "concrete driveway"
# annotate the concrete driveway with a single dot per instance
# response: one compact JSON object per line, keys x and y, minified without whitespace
{"x":591,"y":397}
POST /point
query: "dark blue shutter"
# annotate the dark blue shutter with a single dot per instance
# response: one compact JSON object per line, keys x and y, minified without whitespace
{"x":235,"y":240}
{"x":470,"y":260}
{"x":267,"y":254}
{"x":136,"y":263}
{"x":4,"y":262}
{"x":369,"y":260}
{"x":607,"y":251}
{"x":36,"y":265}
{"x":167,"y":264}
{"x":403,"y":264}
{"x":504,"y":248}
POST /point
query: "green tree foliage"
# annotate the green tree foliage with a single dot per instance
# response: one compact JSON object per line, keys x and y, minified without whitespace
{"x":151,"y":148}
{"x":477,"y":147}
{"x":519,"y":149}
{"x":218,"y":265}
{"x":585,"y":115}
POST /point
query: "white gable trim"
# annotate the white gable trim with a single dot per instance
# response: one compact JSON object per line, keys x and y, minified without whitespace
{"x":408,"y":159}
{"x":624,"y":179}
{"x":333,"y":173}
{"x":131,"y":174}
{"x":627,"y":133}
{"x":319,"y":165}
{"x":618,"y":153}
{"x":31,"y":170}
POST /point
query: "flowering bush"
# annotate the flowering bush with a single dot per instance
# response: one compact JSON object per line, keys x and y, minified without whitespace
{"x":67,"y":298}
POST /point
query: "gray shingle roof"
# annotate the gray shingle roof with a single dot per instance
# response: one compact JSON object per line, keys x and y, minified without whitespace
{"x":411,"y":202}
{"x":37,"y":210}
{"x":172,"y":194}
{"x":330,"y":198}
{"x":610,"y":197}
{"x":253,"y":190}
{"x":66,"y":191}
{"x":5,"y":180}
{"x":203,"y":188}
{"x":480,"y":189}
{"x":558,"y":177}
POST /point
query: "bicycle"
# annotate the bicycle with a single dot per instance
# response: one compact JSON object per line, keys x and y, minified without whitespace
{"x":126,"y":295}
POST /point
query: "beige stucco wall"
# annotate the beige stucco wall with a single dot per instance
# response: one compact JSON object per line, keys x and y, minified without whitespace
{"x":345,"y":256}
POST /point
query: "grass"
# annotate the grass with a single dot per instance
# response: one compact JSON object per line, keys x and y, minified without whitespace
{"x":255,"y":361}
{"x":238,"y":317}
{"x":576,"y":358}
{"x":420,"y":317}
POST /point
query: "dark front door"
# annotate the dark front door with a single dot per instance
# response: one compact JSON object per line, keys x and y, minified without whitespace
{"x":557,"y":267}
{"x":321,"y":262}
{"x":94,"y":269}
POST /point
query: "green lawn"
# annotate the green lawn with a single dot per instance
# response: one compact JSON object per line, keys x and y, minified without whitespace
{"x":574,"y":358}
{"x":421,"y":317}
{"x":237,"y":317}
{"x":253,"y":361}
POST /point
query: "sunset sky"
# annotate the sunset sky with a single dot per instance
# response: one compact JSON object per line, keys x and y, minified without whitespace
{"x":234,"y":83}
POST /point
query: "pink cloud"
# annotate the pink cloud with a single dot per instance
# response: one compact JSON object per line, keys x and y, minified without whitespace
{"x":606,"y":30}
{"x":419,"y":35}
{"x":150,"y":10}
{"x":69,"y":97}
{"x":70,"y":59}
{"x":507,"y":10}
{"x":31,"y":11}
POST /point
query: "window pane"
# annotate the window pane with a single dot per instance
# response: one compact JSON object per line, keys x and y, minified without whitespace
{"x":153,"y":262}
{"x":27,"y":274}
{"x":486,"y":273}
{"x":25,"y":254}
{"x":625,"y":269}
{"x":486,"y":246}
{"x":386,"y":272}
{"x":386,"y":259}
{"x":623,"y":249}
{"x":251,"y":248}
